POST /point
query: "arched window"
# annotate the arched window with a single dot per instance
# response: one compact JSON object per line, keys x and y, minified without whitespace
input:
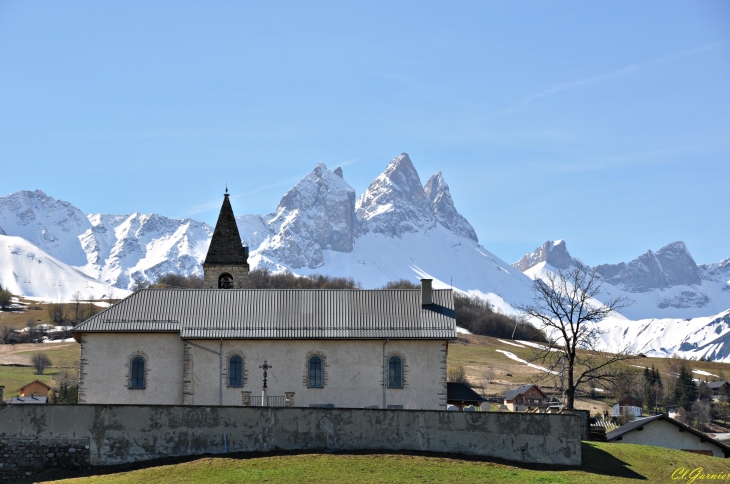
{"x":315,"y":372}
{"x":225,"y":281}
{"x":395,"y":372}
{"x":235,"y":371}
{"x":136,"y":373}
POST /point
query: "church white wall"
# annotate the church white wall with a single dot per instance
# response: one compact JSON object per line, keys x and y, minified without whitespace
{"x":353,"y":372}
{"x":105,"y":368}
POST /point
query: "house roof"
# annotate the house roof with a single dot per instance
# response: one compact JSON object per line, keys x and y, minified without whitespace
{"x":279,"y":314}
{"x":635,"y":424}
{"x":462,"y":393}
{"x":511,"y":394}
{"x":716,"y":384}
{"x":34,"y":381}
{"x":225,"y":246}
{"x":28,"y":400}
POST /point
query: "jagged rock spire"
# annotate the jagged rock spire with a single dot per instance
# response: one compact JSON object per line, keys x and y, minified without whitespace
{"x":225,"y":247}
{"x":439,"y":196}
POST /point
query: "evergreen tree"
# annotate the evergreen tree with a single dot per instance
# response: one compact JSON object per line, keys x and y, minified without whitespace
{"x":652,"y":387}
{"x":66,"y":393}
{"x":685,"y":392}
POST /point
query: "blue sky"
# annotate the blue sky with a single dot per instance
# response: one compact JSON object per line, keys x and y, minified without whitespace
{"x":606,"y":124}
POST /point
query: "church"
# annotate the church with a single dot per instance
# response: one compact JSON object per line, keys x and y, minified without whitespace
{"x":225,"y":345}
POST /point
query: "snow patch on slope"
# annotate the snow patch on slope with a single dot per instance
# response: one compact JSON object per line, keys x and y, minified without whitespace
{"x":30,"y":271}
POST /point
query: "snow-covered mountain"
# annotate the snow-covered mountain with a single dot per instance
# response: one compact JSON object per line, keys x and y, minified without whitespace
{"x":51,"y":225}
{"x":30,"y":271}
{"x":127,"y":249}
{"x":693,"y":338}
{"x":665,"y":284}
{"x":116,"y":250}
{"x":679,"y":308}
{"x":396,"y":229}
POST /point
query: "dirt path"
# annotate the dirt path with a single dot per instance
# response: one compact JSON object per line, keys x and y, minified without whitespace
{"x":9,"y":354}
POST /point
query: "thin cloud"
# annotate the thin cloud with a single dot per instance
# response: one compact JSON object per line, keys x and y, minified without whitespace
{"x":610,"y":161}
{"x":216,"y":203}
{"x":624,"y":71}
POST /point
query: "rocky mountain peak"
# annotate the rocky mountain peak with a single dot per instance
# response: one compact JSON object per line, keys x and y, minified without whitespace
{"x":395,"y":202}
{"x":439,"y":196}
{"x":678,"y":264}
{"x":51,"y":224}
{"x":338,"y":172}
{"x":317,"y":214}
{"x":672,"y":265}
{"x":554,"y":253}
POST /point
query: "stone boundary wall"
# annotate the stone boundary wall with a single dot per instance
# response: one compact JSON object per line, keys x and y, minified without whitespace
{"x":118,"y":434}
{"x":21,"y":458}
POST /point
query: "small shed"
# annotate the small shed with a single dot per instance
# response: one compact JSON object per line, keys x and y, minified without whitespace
{"x":34,"y":389}
{"x":461,"y":395}
{"x":525,"y":397}
{"x":662,"y":431}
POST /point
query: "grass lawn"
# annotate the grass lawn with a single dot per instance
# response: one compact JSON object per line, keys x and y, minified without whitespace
{"x":62,"y":355}
{"x":14,"y":377}
{"x":603,"y":463}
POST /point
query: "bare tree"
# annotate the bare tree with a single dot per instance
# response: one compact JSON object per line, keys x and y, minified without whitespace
{"x":657,"y":395}
{"x":31,"y":329}
{"x":5,"y":334}
{"x":626,"y":416}
{"x":489,"y":374}
{"x":55,"y":312}
{"x":40,"y":361}
{"x":566,"y":306}
{"x":456,"y":374}
{"x":76,"y":306}
{"x":487,"y":377}
{"x":701,"y":414}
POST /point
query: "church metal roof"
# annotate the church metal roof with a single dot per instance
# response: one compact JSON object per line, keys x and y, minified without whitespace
{"x":280,"y":314}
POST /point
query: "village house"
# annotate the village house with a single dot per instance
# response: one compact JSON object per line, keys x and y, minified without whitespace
{"x":525,"y":398}
{"x":663,"y":431}
{"x":628,"y":406}
{"x":34,"y":389}
{"x":224,"y":345}
{"x":719,"y":388}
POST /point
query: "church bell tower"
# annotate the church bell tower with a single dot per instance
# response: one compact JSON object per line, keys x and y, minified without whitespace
{"x":226,"y":264}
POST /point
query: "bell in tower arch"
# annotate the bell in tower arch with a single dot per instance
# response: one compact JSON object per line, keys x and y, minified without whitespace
{"x":225,"y":281}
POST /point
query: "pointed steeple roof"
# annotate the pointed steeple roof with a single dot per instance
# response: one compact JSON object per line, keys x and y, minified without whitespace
{"x":225,"y":247}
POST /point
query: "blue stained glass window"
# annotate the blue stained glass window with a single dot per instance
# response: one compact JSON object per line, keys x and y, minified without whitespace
{"x":315,"y":372}
{"x":395,"y":372}
{"x":136,"y":373}
{"x":235,"y":371}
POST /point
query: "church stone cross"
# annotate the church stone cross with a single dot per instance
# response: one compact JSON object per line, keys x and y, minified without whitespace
{"x":265,"y":366}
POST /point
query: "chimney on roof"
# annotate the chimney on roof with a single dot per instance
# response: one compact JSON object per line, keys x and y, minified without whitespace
{"x":426,"y":292}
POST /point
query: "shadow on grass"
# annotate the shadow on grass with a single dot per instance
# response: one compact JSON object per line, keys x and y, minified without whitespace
{"x":595,"y":461}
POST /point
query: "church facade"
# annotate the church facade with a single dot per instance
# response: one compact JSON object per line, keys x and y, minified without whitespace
{"x":224,"y":345}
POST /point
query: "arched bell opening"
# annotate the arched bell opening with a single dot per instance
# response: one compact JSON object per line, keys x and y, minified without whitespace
{"x":225,"y":281}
